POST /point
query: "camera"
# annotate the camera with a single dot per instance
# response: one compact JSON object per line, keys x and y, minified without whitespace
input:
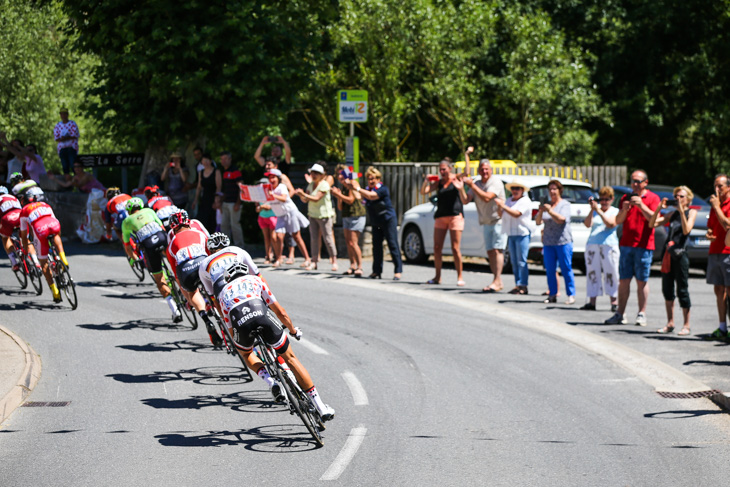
{"x":591,"y":199}
{"x":172,"y":164}
{"x":543,"y":200}
{"x":634,"y":194}
{"x":672,"y":202}
{"x":272,"y":138}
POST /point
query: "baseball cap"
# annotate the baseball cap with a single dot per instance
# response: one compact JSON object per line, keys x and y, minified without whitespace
{"x":275,"y":172}
{"x":317,"y":168}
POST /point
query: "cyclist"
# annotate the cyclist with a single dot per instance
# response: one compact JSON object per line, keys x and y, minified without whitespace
{"x":149,"y":234}
{"x":246,"y":302}
{"x":9,"y":220}
{"x":222,"y":254}
{"x":186,"y":250}
{"x":162,"y":205}
{"x":114,"y":214}
{"x":22,"y":186}
{"x":38,"y":216}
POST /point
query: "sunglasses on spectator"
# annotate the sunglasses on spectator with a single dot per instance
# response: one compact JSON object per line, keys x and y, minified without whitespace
{"x":681,"y":196}
{"x":605,"y":199}
{"x":638,"y":181}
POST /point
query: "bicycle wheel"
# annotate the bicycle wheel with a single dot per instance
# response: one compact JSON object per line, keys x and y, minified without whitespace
{"x":68,"y":285}
{"x":21,"y":274}
{"x":36,"y":276}
{"x":138,"y":269}
{"x":301,"y":403}
{"x":230,"y":346}
{"x":189,"y":314}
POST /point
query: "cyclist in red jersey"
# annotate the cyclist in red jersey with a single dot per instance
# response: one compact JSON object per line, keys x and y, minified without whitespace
{"x":114,"y":214}
{"x":39,"y":217}
{"x":9,"y":220}
{"x":161,"y":205}
{"x":186,"y":250}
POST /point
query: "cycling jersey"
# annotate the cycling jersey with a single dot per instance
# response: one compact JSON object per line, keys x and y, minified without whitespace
{"x":194,"y":225}
{"x":9,"y":214}
{"x":159,"y":202}
{"x":149,"y":232}
{"x":186,"y":252}
{"x":116,"y":210}
{"x":244,"y":302}
{"x":213,"y":269}
{"x":40,"y":218}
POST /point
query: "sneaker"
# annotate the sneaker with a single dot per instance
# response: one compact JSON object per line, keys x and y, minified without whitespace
{"x":616,"y":319}
{"x":278,"y":392}
{"x":717,"y":335}
{"x":57,"y":298}
{"x":640,"y":319}
{"x":177,"y":316}
{"x":327,"y":413}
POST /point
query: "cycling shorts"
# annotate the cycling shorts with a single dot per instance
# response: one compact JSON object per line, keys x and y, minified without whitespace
{"x":153,"y":246}
{"x":253,"y":314}
{"x":9,"y":222}
{"x":187,"y":273}
{"x":119,"y":218}
{"x":43,"y":229}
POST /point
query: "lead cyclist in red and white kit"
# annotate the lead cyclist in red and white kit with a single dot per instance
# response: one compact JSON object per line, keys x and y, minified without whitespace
{"x":246,"y":302}
{"x":9,"y":220}
{"x":186,"y":251}
{"x":39,"y":217}
{"x":212,"y":270}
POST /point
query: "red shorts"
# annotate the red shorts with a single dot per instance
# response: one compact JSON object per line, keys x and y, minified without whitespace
{"x":42,"y":229}
{"x":267,"y":222}
{"x":8,"y":222}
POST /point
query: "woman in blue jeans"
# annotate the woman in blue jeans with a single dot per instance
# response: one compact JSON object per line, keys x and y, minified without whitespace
{"x":516,"y":215}
{"x":557,"y":241}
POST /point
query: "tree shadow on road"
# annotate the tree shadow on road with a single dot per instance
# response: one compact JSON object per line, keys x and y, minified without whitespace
{"x":264,"y":439}
{"x":220,"y":375}
{"x":156,"y":324}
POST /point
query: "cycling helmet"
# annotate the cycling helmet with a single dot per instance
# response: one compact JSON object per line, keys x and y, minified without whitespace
{"x":15,"y":178}
{"x":237,"y":269}
{"x":217,"y":241}
{"x":29,"y":198}
{"x":150,"y":191}
{"x":179,"y":219}
{"x":3,"y":190}
{"x":112,"y":192}
{"x":134,"y":204}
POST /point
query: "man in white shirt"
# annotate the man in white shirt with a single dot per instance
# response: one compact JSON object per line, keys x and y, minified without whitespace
{"x":66,"y":133}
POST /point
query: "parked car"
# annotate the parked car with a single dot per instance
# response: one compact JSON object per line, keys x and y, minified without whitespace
{"x":416,"y":230}
{"x":698,"y":245}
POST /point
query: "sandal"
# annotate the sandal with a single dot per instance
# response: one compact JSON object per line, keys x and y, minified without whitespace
{"x":684,"y":331}
{"x":433,"y":281}
{"x":289,"y":261}
{"x":516,"y":290}
{"x":460,"y":283}
{"x":358,"y":272}
{"x":334,"y":267}
{"x":306,"y":264}
{"x":349,"y":272}
{"x":666,"y":329}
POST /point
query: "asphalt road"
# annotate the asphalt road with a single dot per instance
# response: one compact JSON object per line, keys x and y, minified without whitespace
{"x":427,"y":392}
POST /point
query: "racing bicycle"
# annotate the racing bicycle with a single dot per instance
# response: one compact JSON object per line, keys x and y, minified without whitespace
{"x":26,"y":268}
{"x":298,"y":401}
{"x":182,"y":303}
{"x":61,"y":275}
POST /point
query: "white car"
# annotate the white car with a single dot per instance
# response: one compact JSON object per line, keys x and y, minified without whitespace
{"x":416,"y":230}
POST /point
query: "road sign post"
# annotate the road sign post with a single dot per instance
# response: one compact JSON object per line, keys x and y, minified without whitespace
{"x":352,"y":107}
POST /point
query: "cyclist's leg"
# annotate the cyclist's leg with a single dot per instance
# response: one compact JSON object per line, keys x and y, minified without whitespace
{"x":59,"y":247}
{"x":40,"y":241}
{"x":153,"y":262}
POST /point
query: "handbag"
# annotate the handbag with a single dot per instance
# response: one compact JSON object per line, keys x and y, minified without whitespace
{"x":667,"y":260}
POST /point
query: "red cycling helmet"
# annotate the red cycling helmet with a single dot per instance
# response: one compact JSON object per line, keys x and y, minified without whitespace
{"x":179,"y":219}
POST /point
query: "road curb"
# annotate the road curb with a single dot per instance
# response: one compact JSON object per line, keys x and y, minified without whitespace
{"x":27,"y":380}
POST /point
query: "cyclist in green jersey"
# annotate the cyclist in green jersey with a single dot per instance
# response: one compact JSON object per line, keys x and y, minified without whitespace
{"x":149,"y":235}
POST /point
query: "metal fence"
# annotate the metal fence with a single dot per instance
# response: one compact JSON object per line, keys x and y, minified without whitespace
{"x":404,"y":179}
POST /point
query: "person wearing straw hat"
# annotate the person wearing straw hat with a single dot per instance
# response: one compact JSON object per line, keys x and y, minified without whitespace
{"x":516,"y":214}
{"x":321,"y":214}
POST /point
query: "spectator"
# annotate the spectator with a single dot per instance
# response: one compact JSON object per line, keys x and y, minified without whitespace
{"x":602,"y":254}
{"x":15,"y":163}
{"x":198,"y":156}
{"x":353,"y":218}
{"x":4,"y":157}
{"x":276,"y":153}
{"x":273,"y":163}
{"x":675,"y":261}
{"x":267,"y":224}
{"x":449,"y":218}
{"x":176,"y":176}
{"x":383,"y":220}
{"x":483,"y":192}
{"x":231,"y":200}
{"x":516,"y":215}
{"x":209,"y":185}
{"x":321,"y":214}
{"x":557,"y":242}
{"x":718,"y":261}
{"x":66,"y":133}
{"x":636,"y":245}
{"x":81,"y":180}
{"x":34,"y":165}
{"x":288,"y":219}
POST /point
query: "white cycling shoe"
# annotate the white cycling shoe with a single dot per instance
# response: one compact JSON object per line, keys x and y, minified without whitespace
{"x":278,"y":392}
{"x":327,"y":412}
{"x":177,"y":316}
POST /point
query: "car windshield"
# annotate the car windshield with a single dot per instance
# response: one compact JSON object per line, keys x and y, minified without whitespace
{"x":574,"y":194}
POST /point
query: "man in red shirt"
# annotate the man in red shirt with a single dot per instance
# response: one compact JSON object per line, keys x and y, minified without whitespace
{"x":9,"y":221}
{"x":636,"y":245}
{"x":718,"y":260}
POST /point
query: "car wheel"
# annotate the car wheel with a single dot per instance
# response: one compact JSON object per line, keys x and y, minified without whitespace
{"x":413,"y":246}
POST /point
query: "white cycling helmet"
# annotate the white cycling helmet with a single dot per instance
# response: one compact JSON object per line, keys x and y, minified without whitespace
{"x":235,"y":270}
{"x":217,"y":241}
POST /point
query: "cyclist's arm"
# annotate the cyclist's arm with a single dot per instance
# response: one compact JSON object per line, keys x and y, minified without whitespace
{"x":283,"y":316}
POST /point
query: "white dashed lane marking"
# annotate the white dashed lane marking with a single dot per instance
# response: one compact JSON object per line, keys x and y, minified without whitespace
{"x":312,"y":347}
{"x":357,"y":435}
{"x":359,"y":396}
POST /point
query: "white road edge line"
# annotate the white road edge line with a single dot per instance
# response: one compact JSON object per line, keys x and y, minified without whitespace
{"x":359,"y":396}
{"x":357,"y":435}
{"x":312,"y":347}
{"x":107,"y":290}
